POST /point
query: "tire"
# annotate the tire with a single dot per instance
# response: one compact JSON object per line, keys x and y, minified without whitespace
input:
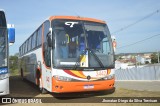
{"x":42,"y":90}
{"x":22,"y":77}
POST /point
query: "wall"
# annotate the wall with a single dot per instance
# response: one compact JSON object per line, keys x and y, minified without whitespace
{"x":150,"y":72}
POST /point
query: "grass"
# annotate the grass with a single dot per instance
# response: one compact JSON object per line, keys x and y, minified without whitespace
{"x":14,"y":72}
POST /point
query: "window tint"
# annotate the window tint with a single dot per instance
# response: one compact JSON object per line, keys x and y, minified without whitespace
{"x":39,"y":36}
{"x":2,"y":19}
{"x":20,"y":50}
{"x":46,"y":30}
{"x":29,"y":44}
{"x":24,"y":47}
{"x":46,"y":49}
{"x":34,"y":40}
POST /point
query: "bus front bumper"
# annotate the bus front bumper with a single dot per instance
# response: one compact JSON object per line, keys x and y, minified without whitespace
{"x":4,"y":86}
{"x":64,"y":87}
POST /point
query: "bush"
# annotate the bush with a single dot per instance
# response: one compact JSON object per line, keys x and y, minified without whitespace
{"x":13,"y":64}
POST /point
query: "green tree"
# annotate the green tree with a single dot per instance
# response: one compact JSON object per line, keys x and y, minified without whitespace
{"x":13,"y":64}
{"x":146,"y":62}
{"x":154,"y":58}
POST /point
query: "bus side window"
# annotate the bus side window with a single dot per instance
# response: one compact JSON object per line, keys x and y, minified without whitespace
{"x":39,"y":36}
{"x":46,"y":49}
{"x":19,"y":50}
{"x":34,"y":40}
{"x":24,"y":47}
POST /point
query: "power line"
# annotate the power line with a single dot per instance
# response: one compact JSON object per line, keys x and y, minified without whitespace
{"x":121,"y":29}
{"x":138,"y":41}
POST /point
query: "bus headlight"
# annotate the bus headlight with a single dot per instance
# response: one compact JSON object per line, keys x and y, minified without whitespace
{"x":62,"y":78}
{"x":4,"y":76}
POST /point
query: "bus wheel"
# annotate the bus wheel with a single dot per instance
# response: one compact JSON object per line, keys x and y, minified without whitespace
{"x":43,"y":91}
{"x":39,"y":83}
{"x":22,"y":74}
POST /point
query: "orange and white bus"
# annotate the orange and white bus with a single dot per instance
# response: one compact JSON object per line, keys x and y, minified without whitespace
{"x":69,"y":54}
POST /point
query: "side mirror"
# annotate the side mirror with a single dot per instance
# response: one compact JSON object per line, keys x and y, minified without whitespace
{"x":11,"y":34}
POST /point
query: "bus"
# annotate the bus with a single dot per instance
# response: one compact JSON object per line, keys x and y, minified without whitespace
{"x":6,"y":38}
{"x":69,"y":54}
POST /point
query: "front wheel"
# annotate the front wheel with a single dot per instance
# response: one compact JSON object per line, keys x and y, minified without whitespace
{"x":42,"y":90}
{"x":39,"y":83}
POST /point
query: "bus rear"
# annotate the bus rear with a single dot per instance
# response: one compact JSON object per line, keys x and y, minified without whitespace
{"x":79,"y":54}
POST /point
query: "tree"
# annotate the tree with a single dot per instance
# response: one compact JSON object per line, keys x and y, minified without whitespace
{"x":146,"y":62}
{"x":13,"y":63}
{"x":154,"y":58}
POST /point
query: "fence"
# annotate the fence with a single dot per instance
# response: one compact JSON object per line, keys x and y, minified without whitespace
{"x":150,"y":72}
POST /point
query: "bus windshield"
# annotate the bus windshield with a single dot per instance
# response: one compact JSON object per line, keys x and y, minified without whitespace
{"x":2,"y":19}
{"x":74,"y":39}
{"x":3,"y":50}
{"x":3,"y":40}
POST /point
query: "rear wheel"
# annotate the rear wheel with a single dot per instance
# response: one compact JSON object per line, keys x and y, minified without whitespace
{"x":22,"y":77}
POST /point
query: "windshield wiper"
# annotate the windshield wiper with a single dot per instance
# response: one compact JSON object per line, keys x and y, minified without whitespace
{"x":84,"y":53}
{"x":96,"y":57}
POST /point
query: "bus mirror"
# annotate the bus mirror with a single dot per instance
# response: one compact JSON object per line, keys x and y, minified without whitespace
{"x":49,"y":40}
{"x":11,"y":34}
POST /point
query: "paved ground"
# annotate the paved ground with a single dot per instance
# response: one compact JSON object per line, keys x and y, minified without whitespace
{"x":139,"y":85}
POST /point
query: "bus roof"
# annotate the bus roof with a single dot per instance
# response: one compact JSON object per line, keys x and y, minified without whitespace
{"x":2,"y":10}
{"x":76,"y":18}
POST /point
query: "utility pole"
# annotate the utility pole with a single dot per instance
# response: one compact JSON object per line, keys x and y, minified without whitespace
{"x":158,"y":56}
{"x":136,"y":61}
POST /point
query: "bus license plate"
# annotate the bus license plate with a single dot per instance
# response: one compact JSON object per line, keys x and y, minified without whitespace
{"x":88,"y":86}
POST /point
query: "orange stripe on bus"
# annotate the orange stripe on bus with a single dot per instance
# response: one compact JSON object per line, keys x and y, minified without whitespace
{"x":76,"y":18}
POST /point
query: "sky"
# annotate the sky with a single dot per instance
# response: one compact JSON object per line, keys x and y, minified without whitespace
{"x":27,"y":15}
